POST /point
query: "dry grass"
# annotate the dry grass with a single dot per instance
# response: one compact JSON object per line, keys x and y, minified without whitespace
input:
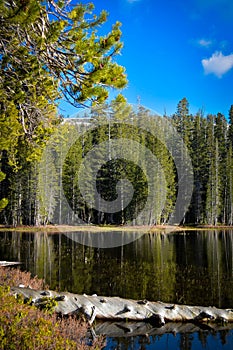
{"x":67,"y":228}
{"x":53,"y":229}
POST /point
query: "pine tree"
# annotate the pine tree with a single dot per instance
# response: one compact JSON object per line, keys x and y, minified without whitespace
{"x":198,"y":154}
{"x":229,"y":187}
{"x":49,"y":51}
{"x":213,"y":194}
{"x":221,"y":137}
{"x":183,"y":122}
{"x":229,"y":171}
{"x":230,"y":127}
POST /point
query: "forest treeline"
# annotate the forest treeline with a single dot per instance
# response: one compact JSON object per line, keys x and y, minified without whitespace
{"x":52,"y":50}
{"x":48,"y":191}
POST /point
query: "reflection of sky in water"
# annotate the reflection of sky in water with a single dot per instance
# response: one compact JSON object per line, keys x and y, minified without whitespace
{"x":195,"y":341}
{"x":108,"y":239}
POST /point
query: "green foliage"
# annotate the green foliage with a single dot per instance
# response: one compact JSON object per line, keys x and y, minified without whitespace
{"x":37,"y":199}
{"x":127,"y":124}
{"x":48,"y":51}
{"x":3,"y":203}
{"x":48,"y":304}
{"x":24,"y":327}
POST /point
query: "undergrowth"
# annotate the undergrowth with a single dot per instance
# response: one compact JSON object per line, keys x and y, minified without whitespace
{"x":24,"y":327}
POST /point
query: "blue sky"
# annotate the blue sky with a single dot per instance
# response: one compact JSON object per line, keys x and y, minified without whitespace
{"x":175,"y":49}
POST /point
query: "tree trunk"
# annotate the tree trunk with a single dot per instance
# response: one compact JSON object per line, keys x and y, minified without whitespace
{"x":115,"y":308}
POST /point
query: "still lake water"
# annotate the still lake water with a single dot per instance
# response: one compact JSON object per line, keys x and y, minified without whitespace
{"x":192,"y":267}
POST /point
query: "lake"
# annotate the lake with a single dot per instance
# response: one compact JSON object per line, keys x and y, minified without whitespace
{"x":192,"y":267}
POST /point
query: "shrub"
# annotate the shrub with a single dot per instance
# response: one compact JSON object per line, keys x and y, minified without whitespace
{"x":24,"y":327}
{"x":13,"y":277}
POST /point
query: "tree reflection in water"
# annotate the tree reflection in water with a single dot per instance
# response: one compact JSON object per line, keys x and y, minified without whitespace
{"x":192,"y":267}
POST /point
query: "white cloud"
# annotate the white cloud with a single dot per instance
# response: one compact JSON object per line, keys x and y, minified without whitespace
{"x":218,"y":64}
{"x":205,"y":43}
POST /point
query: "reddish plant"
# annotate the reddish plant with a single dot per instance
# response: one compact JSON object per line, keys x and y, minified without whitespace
{"x":23,"y":326}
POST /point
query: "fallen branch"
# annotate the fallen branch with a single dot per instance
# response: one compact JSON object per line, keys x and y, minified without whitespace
{"x":115,"y":308}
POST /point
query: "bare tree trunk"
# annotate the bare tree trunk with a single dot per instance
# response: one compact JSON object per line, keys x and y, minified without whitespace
{"x":115,"y":308}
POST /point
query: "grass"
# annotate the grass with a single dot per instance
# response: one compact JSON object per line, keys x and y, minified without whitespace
{"x":67,"y":228}
{"x":107,"y":228}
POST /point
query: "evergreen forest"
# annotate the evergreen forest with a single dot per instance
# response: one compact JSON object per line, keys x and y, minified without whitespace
{"x":51,"y":51}
{"x":39,"y":193}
